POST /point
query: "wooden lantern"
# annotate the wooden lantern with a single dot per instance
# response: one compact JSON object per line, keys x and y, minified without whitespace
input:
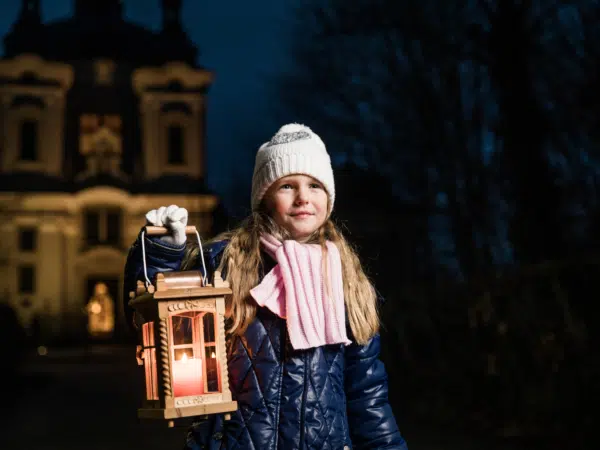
{"x":182,"y":346}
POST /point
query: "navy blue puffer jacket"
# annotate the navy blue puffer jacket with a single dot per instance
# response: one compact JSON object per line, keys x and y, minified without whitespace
{"x":327,"y":398}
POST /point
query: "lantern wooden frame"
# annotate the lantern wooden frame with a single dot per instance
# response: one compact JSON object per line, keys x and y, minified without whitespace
{"x":174,"y":294}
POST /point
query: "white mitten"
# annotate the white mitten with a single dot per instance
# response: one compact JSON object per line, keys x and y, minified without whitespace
{"x":174,"y":219}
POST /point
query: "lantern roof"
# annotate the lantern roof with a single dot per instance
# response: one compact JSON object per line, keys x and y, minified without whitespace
{"x":178,"y":286}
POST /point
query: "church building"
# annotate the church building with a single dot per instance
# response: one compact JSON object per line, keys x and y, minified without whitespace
{"x":101,"y":120}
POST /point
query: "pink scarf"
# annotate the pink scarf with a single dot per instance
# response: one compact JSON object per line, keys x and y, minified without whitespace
{"x":295,"y":290}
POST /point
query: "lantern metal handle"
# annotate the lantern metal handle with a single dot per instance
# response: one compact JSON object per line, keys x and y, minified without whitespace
{"x":162,"y":231}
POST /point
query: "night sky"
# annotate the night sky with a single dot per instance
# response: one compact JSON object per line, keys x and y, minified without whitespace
{"x":244,"y":43}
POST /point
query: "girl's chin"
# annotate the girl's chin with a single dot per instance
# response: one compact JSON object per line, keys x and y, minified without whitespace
{"x":301,"y":234}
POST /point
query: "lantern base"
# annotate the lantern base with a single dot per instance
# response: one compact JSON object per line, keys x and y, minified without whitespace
{"x":188,"y":411}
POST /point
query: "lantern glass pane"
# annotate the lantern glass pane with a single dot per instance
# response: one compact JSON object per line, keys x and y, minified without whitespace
{"x":208,"y":323}
{"x":151,"y":374}
{"x":183,"y":330}
{"x":186,"y":357}
{"x":150,"y":369}
{"x":148,"y":334}
{"x":212,"y":368}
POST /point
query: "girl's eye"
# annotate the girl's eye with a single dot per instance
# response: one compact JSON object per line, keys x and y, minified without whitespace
{"x":285,"y":186}
{"x":315,"y":186}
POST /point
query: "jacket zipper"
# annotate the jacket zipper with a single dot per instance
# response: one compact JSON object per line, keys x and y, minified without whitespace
{"x":303,"y":405}
{"x":283,"y":357}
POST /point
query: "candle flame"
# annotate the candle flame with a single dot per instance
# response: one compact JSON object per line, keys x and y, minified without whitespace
{"x":184,"y":358}
{"x":213,"y":355}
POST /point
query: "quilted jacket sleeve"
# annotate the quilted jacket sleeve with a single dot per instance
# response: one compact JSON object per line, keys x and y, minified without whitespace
{"x":370,"y":417}
{"x":160,"y":257}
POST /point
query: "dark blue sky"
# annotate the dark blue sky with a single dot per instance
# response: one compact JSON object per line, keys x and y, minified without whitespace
{"x":244,"y":43}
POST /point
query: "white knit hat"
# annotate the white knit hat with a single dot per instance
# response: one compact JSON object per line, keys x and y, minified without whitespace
{"x":295,"y":149}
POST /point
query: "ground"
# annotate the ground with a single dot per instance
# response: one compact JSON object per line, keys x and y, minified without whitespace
{"x":86,"y":398}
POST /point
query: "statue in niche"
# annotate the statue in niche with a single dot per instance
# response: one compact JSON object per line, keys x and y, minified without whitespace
{"x":100,"y":143}
{"x":101,"y":312}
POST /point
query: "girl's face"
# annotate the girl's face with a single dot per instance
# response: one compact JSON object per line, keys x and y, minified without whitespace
{"x":297,"y":203}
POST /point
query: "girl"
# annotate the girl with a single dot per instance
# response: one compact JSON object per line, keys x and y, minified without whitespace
{"x":303,"y":342}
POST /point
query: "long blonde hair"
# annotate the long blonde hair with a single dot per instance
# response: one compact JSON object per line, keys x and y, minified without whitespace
{"x":243,"y":262}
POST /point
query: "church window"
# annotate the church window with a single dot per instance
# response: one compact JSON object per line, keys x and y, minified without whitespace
{"x":28,"y":142}
{"x":103,"y":226}
{"x":27,"y":239}
{"x":26,"y":277}
{"x":175,"y":144}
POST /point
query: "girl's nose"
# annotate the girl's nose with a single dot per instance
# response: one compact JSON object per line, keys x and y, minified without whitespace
{"x":302,"y":196}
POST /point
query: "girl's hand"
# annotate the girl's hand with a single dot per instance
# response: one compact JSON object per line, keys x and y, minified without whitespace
{"x":174,"y":219}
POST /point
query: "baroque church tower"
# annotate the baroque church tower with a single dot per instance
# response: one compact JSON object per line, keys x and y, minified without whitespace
{"x":101,"y":120}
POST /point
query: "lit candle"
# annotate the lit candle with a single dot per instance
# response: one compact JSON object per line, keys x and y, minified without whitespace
{"x":187,"y":377}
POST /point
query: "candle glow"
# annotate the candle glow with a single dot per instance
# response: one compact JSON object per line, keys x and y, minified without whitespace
{"x":187,"y":376}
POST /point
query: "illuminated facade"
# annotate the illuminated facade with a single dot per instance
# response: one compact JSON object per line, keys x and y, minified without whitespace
{"x":100,"y":121}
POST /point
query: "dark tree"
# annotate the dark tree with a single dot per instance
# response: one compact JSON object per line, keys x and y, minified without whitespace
{"x":393,"y":89}
{"x":532,"y":50}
